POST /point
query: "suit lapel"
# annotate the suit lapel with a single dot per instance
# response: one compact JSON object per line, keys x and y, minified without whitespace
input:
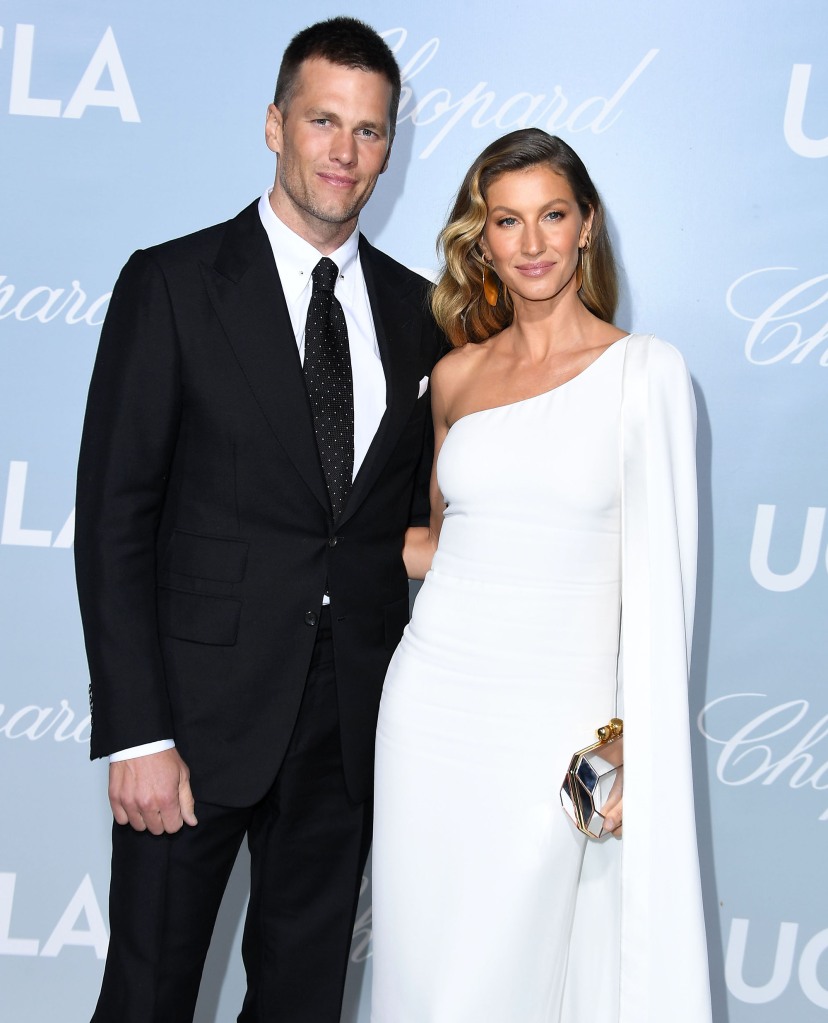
{"x":246,"y":293}
{"x":394,"y":306}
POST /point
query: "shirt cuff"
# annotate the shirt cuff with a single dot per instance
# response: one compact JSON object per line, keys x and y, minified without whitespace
{"x":141,"y":751}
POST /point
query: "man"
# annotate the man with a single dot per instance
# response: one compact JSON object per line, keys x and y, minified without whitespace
{"x":256,"y":442}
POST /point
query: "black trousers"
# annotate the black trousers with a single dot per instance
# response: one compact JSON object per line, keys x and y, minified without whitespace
{"x":308,"y":845}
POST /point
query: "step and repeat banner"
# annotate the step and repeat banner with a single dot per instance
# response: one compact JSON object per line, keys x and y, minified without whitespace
{"x":705,"y":126}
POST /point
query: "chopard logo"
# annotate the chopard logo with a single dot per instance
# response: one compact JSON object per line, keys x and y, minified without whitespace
{"x":44,"y":303}
{"x":778,"y":329}
{"x":442,"y":110}
{"x":33,"y":722}
{"x":777,"y":744}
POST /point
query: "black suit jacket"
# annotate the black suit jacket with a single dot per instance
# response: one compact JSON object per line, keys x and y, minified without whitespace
{"x":204,"y":535}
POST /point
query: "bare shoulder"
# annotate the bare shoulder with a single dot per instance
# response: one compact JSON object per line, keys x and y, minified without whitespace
{"x":607,"y":334}
{"x":452,"y":378}
{"x":453,"y":371}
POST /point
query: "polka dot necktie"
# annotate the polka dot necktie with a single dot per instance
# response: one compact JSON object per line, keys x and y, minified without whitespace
{"x":330,"y":383}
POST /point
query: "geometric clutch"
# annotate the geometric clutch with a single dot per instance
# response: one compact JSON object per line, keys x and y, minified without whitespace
{"x":593,"y":784}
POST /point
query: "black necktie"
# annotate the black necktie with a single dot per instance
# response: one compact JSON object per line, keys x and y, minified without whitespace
{"x":330,"y":383}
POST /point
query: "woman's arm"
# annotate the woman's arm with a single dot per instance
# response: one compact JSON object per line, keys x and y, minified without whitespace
{"x":418,"y":550}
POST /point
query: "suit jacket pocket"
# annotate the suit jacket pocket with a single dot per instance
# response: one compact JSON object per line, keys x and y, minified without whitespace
{"x":207,"y":557}
{"x":198,"y":617}
{"x":396,"y":619}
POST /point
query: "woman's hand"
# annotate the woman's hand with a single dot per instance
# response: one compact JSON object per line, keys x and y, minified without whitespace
{"x":613,"y":809}
{"x":418,"y":551}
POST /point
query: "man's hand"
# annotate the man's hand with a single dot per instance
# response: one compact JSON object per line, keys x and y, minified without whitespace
{"x":152,"y":792}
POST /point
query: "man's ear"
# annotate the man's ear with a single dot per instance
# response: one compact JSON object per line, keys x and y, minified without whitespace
{"x":387,"y":157}
{"x":274,"y":124}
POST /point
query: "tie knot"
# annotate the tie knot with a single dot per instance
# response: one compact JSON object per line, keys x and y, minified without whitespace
{"x":324,"y":274}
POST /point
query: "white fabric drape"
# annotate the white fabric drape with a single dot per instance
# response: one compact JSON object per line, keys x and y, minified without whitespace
{"x":655,"y":904}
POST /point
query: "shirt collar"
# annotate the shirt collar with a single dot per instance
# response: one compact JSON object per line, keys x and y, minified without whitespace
{"x":296,"y":258}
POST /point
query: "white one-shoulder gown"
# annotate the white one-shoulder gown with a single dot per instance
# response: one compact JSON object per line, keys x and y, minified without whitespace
{"x":509,"y":664}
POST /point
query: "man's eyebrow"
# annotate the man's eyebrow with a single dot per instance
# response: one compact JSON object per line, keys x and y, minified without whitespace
{"x":319,"y":112}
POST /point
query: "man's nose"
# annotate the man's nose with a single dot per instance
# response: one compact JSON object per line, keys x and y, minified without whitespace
{"x":344,"y":148}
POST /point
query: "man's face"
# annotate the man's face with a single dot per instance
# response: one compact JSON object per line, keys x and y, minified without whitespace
{"x":333,"y":142}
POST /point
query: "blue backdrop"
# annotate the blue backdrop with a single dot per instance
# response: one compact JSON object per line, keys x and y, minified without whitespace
{"x":706,"y":129}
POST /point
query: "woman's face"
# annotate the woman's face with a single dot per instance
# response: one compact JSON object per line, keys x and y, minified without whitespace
{"x":533,"y":231}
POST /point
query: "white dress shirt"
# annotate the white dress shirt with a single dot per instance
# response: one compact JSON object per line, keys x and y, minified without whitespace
{"x":295,"y":259}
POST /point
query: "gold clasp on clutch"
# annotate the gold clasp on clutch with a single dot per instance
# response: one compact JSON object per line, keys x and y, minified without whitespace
{"x":613,"y":730}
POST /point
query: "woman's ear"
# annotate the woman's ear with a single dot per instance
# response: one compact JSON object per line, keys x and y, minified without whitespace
{"x":586,"y":229}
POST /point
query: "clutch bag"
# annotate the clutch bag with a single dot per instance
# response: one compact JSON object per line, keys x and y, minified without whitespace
{"x":593,"y":774}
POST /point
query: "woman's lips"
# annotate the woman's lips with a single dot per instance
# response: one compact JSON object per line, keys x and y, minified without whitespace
{"x":534,"y":269}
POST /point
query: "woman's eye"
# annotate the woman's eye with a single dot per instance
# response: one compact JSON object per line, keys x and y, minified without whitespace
{"x":507,"y":222}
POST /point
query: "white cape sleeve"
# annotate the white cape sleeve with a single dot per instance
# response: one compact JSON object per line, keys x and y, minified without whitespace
{"x":663,"y":947}
{"x":643,"y":893}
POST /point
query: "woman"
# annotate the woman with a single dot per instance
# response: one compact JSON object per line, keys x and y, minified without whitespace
{"x":563,"y":490}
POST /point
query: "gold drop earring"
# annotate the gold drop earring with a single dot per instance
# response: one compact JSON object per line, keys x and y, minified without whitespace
{"x":579,"y":269}
{"x":490,"y":287}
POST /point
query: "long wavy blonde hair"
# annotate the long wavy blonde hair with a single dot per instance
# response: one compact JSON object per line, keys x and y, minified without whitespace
{"x":459,"y":305}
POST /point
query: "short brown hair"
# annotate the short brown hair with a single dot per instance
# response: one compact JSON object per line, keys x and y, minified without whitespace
{"x":347,"y":42}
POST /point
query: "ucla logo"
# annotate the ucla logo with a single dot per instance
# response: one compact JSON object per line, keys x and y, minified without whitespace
{"x":793,"y":125}
{"x":69,"y":929}
{"x":809,"y":552}
{"x":808,"y":967}
{"x":13,"y":533}
{"x":104,"y":63}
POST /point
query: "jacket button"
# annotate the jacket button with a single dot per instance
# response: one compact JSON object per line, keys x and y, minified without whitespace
{"x":311,"y":618}
{"x":332,"y":541}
